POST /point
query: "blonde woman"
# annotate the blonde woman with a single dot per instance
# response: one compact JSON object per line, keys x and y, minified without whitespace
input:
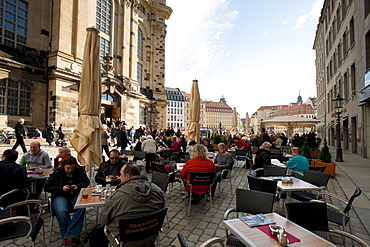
{"x":199,"y":162}
{"x":64,"y":152}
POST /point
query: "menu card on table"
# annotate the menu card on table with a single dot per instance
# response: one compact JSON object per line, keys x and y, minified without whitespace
{"x":256,"y":220}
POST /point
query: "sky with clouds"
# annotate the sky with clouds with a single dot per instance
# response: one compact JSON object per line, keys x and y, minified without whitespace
{"x":254,"y":53}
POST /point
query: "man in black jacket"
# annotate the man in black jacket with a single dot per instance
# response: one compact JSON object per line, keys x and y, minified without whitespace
{"x":110,"y":168}
{"x":19,"y":134}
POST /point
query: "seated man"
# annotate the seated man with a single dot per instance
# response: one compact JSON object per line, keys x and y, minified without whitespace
{"x":34,"y":158}
{"x":110,"y":168}
{"x":134,"y":196}
{"x":298,"y":163}
{"x":223,"y":160}
{"x":12,"y":176}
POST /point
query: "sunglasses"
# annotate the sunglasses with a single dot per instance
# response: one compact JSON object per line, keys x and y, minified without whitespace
{"x":114,"y":158}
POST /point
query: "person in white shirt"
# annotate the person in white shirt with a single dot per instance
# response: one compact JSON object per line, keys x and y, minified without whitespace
{"x":150,"y":147}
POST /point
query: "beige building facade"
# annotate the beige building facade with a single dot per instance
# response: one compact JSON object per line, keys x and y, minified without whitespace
{"x":43,"y":56}
{"x":342,"y":48}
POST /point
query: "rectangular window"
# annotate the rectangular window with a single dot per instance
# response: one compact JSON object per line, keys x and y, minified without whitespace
{"x":353,"y":77}
{"x":345,"y":47}
{"x":345,"y":86}
{"x":14,"y":98}
{"x":139,"y":73}
{"x":351,"y":33}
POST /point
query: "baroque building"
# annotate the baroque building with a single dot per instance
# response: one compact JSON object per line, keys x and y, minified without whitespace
{"x":342,"y":46}
{"x":41,"y":52}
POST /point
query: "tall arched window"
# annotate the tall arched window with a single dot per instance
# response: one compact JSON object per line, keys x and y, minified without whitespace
{"x":139,"y":44}
{"x":104,"y":15}
{"x":103,"y":23}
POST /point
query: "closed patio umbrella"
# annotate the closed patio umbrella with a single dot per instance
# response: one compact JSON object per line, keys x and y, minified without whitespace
{"x":247,"y":123}
{"x":234,"y":129}
{"x":86,"y":134}
{"x":192,"y":129}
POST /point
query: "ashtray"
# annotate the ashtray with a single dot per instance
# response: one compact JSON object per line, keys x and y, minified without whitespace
{"x":276,"y":229}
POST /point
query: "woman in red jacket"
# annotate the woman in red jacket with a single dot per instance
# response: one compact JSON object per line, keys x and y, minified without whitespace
{"x":199,"y":162}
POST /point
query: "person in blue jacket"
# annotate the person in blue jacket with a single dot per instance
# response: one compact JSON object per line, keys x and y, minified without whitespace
{"x":298,"y":163}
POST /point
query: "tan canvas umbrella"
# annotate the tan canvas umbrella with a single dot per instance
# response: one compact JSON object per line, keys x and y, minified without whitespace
{"x":234,"y":129}
{"x":291,"y":122}
{"x":247,"y":123}
{"x":86,"y":135}
{"x":192,"y":129}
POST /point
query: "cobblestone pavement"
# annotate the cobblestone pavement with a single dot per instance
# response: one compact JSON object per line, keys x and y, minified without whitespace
{"x":203,"y":223}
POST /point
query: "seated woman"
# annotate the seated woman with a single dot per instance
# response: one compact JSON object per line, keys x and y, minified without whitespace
{"x":263,"y":156}
{"x":208,"y":145}
{"x":64,"y":152}
{"x":298,"y":163}
{"x":65,"y":184}
{"x":37,"y":135}
{"x":223,"y":160}
{"x":199,"y":162}
{"x":161,"y":146}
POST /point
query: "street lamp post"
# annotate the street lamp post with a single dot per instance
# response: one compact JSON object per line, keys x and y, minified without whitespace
{"x":338,"y":109}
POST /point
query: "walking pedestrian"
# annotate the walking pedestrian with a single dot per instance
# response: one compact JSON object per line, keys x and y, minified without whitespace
{"x":19,"y":134}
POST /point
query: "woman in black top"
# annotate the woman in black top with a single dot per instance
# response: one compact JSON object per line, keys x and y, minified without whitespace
{"x":65,"y":184}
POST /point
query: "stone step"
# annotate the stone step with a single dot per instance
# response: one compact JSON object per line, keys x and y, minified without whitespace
{"x":26,"y":141}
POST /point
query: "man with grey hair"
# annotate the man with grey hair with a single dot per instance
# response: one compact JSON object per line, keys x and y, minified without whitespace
{"x":19,"y":134}
{"x":150,"y":147}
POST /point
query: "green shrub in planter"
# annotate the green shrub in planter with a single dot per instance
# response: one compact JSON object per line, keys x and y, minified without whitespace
{"x":306,"y":150}
{"x":325,"y":155}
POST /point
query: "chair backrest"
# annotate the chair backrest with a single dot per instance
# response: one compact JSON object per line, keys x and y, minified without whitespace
{"x":316,"y":178}
{"x":309,"y":215}
{"x":127,"y":152}
{"x":161,"y":180}
{"x":355,"y":194}
{"x":317,"y":168}
{"x":241,"y":152}
{"x":134,"y":228}
{"x":182,"y":240}
{"x":202,"y":178}
{"x":274,"y":171}
{"x":261,"y":184}
{"x":232,"y":152}
{"x":139,"y":155}
{"x":166,"y":153}
{"x":254,"y":202}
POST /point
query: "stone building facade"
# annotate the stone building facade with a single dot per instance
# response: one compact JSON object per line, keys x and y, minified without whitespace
{"x":41,"y":50}
{"x":342,"y":46}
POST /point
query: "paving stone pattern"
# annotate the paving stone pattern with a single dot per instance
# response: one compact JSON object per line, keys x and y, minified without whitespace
{"x":202,"y":224}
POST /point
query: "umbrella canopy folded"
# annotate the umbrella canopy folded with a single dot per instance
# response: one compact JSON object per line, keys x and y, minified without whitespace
{"x":86,"y":135}
{"x":291,"y":122}
{"x":192,"y":129}
{"x":234,"y":119}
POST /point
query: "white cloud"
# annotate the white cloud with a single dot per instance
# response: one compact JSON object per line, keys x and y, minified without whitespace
{"x":314,"y":14}
{"x":285,"y":22}
{"x":194,"y":40}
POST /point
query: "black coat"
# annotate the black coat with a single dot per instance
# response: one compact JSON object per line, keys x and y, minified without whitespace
{"x":122,"y":138}
{"x":19,"y":130}
{"x":56,"y":181}
{"x":12,"y":176}
{"x":104,"y":171}
{"x":262,"y":158}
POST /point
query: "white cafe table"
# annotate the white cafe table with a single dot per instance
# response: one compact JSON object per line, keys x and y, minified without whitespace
{"x":33,"y":177}
{"x":252,"y":236}
{"x":297,"y":185}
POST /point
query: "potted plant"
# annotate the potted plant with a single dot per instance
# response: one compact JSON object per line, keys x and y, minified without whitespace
{"x":255,"y":144}
{"x":306,"y":151}
{"x":314,"y":144}
{"x":217,"y":138}
{"x":325,"y":160}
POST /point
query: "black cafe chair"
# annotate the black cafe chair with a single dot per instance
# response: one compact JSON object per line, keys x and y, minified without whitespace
{"x":209,"y":242}
{"x":146,"y":226}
